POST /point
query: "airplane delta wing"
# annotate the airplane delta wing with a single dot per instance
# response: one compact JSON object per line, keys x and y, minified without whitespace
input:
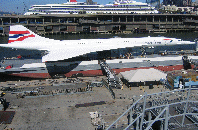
{"x":56,"y":54}
{"x":69,"y":51}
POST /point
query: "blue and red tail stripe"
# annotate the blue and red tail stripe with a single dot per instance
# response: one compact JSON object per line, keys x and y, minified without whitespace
{"x":19,"y":36}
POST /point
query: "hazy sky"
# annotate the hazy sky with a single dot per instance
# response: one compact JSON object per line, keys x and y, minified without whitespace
{"x":21,"y":6}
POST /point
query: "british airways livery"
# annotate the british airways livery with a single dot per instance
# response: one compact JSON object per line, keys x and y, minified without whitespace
{"x":68,"y":57}
{"x":19,"y":35}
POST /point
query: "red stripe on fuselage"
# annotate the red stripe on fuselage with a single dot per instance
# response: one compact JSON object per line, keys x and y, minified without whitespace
{"x":21,"y":38}
{"x":19,"y":32}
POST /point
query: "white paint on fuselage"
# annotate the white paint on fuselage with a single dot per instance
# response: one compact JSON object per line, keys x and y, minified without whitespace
{"x":47,"y":44}
{"x":61,"y":50}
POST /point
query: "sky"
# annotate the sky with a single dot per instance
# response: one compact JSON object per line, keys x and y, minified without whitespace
{"x":21,"y":6}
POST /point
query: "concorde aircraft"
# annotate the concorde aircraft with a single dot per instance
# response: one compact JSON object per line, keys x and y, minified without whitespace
{"x":23,"y":38}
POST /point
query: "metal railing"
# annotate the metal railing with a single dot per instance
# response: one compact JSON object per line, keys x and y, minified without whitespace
{"x":162,"y":103}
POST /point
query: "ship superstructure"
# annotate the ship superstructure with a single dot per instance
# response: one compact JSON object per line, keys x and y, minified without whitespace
{"x":74,"y":7}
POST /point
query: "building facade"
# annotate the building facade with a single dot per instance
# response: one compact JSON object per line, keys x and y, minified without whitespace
{"x":174,"y":8}
{"x":178,"y":3}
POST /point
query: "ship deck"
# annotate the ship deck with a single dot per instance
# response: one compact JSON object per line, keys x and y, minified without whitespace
{"x":61,"y":111}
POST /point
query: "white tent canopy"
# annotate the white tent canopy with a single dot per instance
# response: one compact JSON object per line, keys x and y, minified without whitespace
{"x":142,"y":75}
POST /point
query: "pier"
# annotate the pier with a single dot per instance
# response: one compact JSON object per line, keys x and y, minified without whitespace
{"x":102,"y":23}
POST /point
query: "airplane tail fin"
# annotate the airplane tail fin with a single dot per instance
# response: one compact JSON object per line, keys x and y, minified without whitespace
{"x":19,"y":33}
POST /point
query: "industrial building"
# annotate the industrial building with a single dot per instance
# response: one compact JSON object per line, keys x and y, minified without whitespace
{"x":90,"y":2}
{"x":195,"y":4}
{"x":173,"y":8}
{"x":178,"y":3}
{"x":102,"y":23}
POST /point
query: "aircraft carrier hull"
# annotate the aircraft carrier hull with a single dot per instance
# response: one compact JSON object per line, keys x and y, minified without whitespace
{"x":36,"y":69}
{"x":91,"y":72}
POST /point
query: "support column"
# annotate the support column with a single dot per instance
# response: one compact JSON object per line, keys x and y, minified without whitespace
{"x":44,"y":29}
{"x":35,"y":20}
{"x":112,"y":19}
{"x":126,"y":18}
{"x":3,"y":30}
{"x":172,"y":19}
{"x":149,"y":116}
{"x":130,"y":117}
{"x":166,"y":19}
{"x":153,"y":19}
{"x":186,"y":105}
{"x":143,"y":110}
{"x":162,"y":125}
{"x":133,"y":19}
{"x":146,"y":22}
{"x":119,"y":19}
{"x":166,"y":118}
{"x":18,"y":20}
{"x":10,"y":21}
{"x":43,"y":20}
{"x":1,"y":21}
{"x":51,"y":20}
{"x":89,"y":28}
{"x":137,"y":124}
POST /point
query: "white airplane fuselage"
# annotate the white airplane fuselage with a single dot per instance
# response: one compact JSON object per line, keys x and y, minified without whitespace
{"x":117,"y":42}
{"x":22,"y":38}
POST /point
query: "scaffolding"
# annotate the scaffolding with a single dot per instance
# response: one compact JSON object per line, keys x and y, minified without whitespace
{"x":164,"y":110}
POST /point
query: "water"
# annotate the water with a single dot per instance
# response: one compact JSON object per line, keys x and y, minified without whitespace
{"x":7,"y":52}
{"x":189,"y":36}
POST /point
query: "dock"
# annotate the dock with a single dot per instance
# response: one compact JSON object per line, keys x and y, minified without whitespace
{"x":101,"y":23}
